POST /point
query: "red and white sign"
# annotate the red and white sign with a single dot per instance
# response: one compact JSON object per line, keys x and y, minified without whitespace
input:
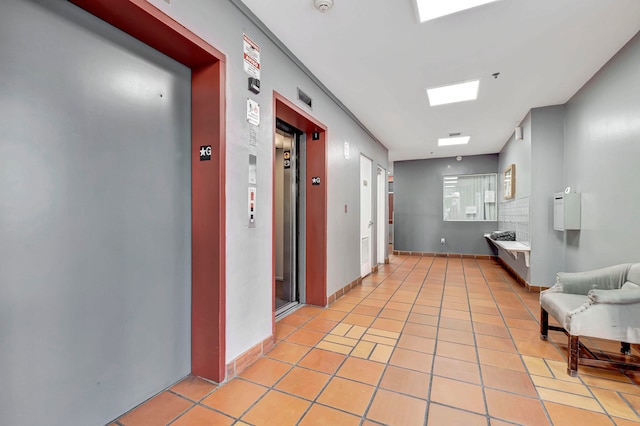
{"x":251,"y":57}
{"x":253,"y":112}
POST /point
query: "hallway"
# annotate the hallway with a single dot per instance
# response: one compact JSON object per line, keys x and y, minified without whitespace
{"x":426,"y":340}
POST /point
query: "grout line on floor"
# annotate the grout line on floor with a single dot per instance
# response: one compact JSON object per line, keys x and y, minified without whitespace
{"x":331,"y":376}
{"x":426,"y":280}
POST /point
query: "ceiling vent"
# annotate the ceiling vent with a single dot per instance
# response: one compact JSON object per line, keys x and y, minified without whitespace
{"x":304,"y":98}
{"x":451,"y":135}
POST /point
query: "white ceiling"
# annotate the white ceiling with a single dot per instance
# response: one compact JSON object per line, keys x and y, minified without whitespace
{"x":378,"y":59}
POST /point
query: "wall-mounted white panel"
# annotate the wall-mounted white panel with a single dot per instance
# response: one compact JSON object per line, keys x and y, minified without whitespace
{"x":566,"y":211}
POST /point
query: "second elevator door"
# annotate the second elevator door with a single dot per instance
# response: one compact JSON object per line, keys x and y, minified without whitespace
{"x":287,"y":292}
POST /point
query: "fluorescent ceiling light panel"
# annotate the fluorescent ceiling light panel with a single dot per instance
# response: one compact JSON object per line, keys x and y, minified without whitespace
{"x":461,"y":140}
{"x":432,"y":9}
{"x":459,"y":92}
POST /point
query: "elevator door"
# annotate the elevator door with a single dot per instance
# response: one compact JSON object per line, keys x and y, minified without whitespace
{"x":287,"y":214}
{"x":95,"y":217}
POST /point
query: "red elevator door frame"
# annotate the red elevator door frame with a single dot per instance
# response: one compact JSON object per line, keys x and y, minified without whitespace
{"x":316,"y":203}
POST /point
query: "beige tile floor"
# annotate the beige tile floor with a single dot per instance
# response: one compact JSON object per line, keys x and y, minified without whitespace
{"x":425,"y":341}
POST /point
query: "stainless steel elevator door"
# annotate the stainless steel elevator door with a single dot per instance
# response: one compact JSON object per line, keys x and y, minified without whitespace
{"x":287,"y":294}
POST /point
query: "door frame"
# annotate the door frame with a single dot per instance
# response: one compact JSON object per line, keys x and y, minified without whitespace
{"x":150,"y":25}
{"x":381,"y":218}
{"x":316,"y":200}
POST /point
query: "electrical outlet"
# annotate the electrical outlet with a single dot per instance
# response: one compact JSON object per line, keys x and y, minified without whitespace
{"x":441,"y":240}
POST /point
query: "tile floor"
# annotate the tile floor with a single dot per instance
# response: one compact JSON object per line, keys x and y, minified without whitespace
{"x":425,"y":341}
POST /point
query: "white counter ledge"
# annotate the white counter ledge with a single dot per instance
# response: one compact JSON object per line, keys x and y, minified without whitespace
{"x":513,"y":247}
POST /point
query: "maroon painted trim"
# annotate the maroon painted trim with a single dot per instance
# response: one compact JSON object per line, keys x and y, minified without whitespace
{"x":316,"y":216}
{"x":208,"y":224}
{"x":142,"y":20}
{"x":273,"y":223}
{"x":148,"y":24}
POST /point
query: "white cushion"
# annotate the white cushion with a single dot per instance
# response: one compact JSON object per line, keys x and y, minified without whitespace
{"x":629,"y":286}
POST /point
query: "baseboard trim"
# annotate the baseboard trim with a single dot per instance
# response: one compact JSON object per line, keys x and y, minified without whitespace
{"x":524,"y":283}
{"x":344,"y":290}
{"x":447,"y":255}
{"x":256,"y":352}
{"x":247,"y":358}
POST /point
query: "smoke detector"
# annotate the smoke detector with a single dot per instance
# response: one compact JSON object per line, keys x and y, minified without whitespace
{"x":323,"y":5}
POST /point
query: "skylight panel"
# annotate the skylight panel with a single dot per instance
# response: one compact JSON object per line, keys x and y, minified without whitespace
{"x":459,"y":92}
{"x":432,"y":9}
{"x":459,"y":140}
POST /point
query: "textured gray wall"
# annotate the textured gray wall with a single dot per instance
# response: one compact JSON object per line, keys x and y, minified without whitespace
{"x":249,"y":310}
{"x":517,"y":152}
{"x":590,"y":144}
{"x":64,"y":119}
{"x":602,"y":147}
{"x":547,"y":151}
{"x":538,"y":157}
{"x":417,"y":204}
{"x":95,"y":208}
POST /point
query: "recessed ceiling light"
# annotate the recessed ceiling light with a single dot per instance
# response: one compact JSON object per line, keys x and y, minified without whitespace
{"x":460,"y":140}
{"x":459,"y":92}
{"x":432,"y":9}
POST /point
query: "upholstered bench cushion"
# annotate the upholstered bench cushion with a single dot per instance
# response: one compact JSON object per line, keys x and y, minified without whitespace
{"x":558,"y":305}
{"x":634,"y":273}
{"x":626,"y":294}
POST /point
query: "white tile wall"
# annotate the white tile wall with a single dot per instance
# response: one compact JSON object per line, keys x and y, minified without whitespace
{"x":513,"y":215}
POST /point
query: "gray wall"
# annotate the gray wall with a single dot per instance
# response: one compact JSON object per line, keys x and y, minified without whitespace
{"x":517,"y":152}
{"x":512,"y":215}
{"x":590,"y":144}
{"x":547,"y":151}
{"x":95,"y":207}
{"x":101,"y":292}
{"x":417,"y":200}
{"x":602,"y":148}
{"x":538,"y":157}
{"x":249,"y":254}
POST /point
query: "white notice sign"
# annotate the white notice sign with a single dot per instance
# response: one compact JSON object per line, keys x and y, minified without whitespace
{"x":490,"y":196}
{"x":251,"y":57}
{"x":253,"y":112}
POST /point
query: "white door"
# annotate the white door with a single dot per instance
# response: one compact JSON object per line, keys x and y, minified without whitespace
{"x":381,"y":216}
{"x":365,"y":215}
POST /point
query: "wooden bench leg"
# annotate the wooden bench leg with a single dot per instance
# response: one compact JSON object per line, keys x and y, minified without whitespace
{"x":625,"y":348}
{"x":574,"y":353}
{"x":544,"y":324}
